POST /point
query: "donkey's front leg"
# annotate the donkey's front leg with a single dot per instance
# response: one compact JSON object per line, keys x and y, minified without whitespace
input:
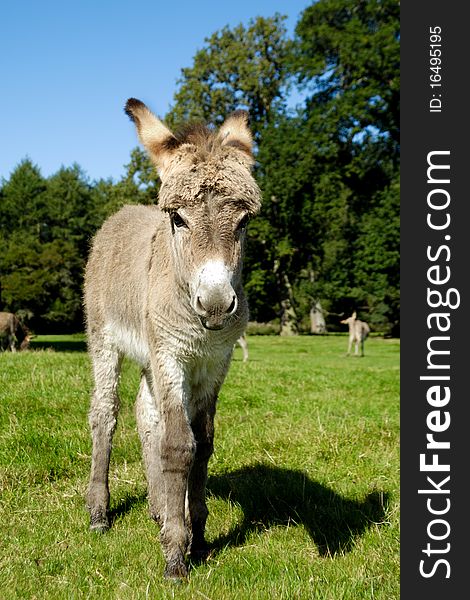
{"x":177,"y":449}
{"x":203,"y":429}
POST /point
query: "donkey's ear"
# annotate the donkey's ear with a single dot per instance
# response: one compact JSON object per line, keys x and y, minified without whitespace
{"x":157,"y":139}
{"x":235,"y":132}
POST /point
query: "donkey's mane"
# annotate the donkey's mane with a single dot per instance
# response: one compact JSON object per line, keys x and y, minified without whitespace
{"x":205,"y":138}
{"x":196,"y":133}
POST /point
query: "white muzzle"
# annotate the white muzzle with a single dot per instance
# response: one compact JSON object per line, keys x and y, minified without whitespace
{"x":214,"y":298}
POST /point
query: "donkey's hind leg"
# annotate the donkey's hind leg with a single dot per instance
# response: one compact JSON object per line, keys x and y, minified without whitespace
{"x":148,"y":424}
{"x":102,"y":419}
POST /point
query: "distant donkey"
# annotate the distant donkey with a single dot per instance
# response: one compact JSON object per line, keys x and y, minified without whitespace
{"x":13,"y":334}
{"x":358,"y":332}
{"x":244,"y":346}
{"x":163,"y":286}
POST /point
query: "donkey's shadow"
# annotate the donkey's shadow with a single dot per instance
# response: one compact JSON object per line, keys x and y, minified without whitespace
{"x":271,"y":496}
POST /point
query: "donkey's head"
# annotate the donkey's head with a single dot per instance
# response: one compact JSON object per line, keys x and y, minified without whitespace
{"x":350,"y":320}
{"x":208,"y":194}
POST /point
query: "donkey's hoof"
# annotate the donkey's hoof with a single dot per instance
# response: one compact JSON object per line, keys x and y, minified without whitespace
{"x":99,"y":527}
{"x":199,"y":552}
{"x":99,"y":522}
{"x":175,"y":570}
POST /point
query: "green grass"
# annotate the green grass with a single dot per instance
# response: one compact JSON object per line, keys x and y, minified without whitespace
{"x":303,"y":491}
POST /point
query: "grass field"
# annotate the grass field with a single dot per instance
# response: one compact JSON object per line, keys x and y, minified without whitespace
{"x":303,"y":491}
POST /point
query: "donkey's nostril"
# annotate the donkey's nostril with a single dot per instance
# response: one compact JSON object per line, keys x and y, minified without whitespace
{"x":200,"y":307}
{"x":233,"y":306}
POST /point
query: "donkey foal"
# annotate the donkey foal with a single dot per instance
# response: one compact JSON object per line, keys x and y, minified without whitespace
{"x":163,"y":286}
{"x":358,"y":332}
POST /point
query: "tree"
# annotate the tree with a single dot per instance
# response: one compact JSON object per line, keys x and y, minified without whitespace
{"x":243,"y":67}
{"x":139,"y":185}
{"x":45,"y":241}
{"x":42,"y":279}
{"x":22,"y":200}
{"x":21,"y":213}
{"x":68,"y":211}
{"x":347,"y":54}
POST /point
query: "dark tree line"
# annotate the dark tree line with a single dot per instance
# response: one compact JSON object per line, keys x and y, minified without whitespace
{"x":327,"y":241}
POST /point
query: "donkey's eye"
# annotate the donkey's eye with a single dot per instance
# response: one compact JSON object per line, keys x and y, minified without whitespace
{"x":243,"y":223}
{"x":177,"y":220}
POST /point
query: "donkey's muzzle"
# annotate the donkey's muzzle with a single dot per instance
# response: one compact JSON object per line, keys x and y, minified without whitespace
{"x":215,"y":315}
{"x":215,"y":299}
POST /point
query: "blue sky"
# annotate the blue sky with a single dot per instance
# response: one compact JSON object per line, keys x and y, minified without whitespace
{"x":67,"y":69}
